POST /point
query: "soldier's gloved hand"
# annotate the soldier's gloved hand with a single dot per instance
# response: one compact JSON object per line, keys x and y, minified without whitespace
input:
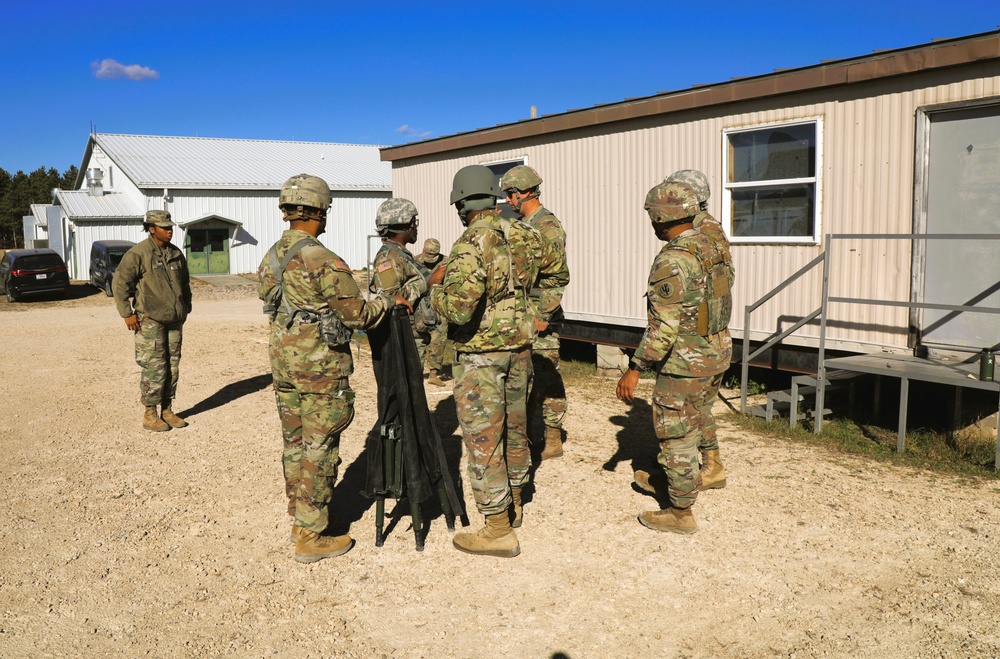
{"x":132,"y":322}
{"x":626,"y":386}
{"x":403,"y":302}
{"x":437,"y":276}
{"x":541,"y":325}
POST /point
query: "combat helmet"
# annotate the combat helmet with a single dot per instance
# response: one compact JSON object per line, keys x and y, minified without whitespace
{"x":304,"y":191}
{"x":671,"y":202}
{"x":519,"y":179}
{"x":474,"y":189}
{"x":697,"y":181}
{"x":395,"y":212}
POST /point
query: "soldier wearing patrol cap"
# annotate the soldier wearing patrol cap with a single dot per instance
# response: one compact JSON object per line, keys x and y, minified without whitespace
{"x":430,"y":258}
{"x":687,"y":340}
{"x":713,"y":473}
{"x":395,"y":270}
{"x":314,"y":304}
{"x":522,"y":186}
{"x":152,"y":289}
{"x":482,"y":291}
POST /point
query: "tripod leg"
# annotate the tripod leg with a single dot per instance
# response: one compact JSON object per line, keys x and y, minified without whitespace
{"x":418,"y":524}
{"x":449,"y":515}
{"x":379,"y":521}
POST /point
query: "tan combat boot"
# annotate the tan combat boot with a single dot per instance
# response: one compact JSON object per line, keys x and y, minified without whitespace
{"x":654,"y":483}
{"x":515,"y":497}
{"x":713,"y":474}
{"x":553,"y":443}
{"x":296,"y":532}
{"x":434,"y":377}
{"x":312,"y":547}
{"x":175,"y":421}
{"x":494,"y":539}
{"x":152,"y":420}
{"x":675,"y":520}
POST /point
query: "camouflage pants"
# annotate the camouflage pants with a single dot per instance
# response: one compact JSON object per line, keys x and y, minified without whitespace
{"x":311,"y":424}
{"x":491,"y":391}
{"x":435,"y":351}
{"x":158,"y":354}
{"x":548,"y":387}
{"x":423,"y":340}
{"x":682,"y":406}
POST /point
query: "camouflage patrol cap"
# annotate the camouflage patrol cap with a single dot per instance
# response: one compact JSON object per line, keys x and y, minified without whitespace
{"x":521,"y":178}
{"x":432,"y":251}
{"x":306,"y":190}
{"x":694,"y":178}
{"x":159,"y":218}
{"x":670,"y":202}
{"x":393,"y":212}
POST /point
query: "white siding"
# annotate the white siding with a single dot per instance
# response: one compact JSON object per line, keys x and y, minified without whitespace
{"x":85,"y":234}
{"x":595,"y":181}
{"x":351,"y":218}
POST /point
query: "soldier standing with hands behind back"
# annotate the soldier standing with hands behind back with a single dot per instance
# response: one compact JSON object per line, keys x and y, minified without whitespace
{"x":521,"y":185}
{"x":687,"y":340}
{"x":152,"y":291}
{"x":314,"y":305}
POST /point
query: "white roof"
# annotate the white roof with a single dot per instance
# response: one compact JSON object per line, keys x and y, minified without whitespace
{"x":214,"y":163}
{"x":38,"y":211}
{"x":80,"y":204}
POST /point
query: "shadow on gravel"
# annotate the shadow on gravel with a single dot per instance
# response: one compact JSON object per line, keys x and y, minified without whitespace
{"x":636,"y":440}
{"x":229,"y":393}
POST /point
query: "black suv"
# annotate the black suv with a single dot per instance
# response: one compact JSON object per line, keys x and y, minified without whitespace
{"x":31,"y":271}
{"x":105,"y":255}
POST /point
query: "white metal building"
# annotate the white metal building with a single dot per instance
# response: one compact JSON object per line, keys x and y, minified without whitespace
{"x":897,"y":142}
{"x":223,"y":193}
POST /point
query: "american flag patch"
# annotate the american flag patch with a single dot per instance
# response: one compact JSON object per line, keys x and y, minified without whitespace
{"x":341,"y":265}
{"x":385,"y":266}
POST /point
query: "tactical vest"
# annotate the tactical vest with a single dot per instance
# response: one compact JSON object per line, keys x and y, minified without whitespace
{"x":424,"y":317}
{"x":331,"y":328}
{"x":706,"y":309}
{"x":506,"y":311}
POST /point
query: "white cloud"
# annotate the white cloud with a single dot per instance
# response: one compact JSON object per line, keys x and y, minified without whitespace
{"x":410,"y":131}
{"x":109,"y":69}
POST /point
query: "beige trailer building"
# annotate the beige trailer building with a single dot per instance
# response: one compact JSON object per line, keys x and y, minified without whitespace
{"x":894,"y":143}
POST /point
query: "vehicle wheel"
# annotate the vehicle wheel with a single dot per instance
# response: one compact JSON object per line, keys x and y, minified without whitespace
{"x":107,"y":288}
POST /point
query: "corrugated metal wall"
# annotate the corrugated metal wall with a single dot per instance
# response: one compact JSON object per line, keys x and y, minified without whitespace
{"x":595,"y":181}
{"x":352,"y":218}
{"x":86,"y":233}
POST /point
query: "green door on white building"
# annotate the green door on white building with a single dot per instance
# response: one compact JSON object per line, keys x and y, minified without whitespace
{"x":207,"y":251}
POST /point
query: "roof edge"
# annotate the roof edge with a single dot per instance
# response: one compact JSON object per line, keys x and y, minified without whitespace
{"x":882,"y":64}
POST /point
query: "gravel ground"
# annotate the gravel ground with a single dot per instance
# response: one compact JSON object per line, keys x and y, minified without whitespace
{"x":122,"y":543}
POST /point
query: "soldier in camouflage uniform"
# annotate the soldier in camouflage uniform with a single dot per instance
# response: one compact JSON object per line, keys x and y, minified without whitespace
{"x":713,"y":473}
{"x":483,"y":291}
{"x":687,"y":340}
{"x":314,"y":303}
{"x":152,"y":290}
{"x":430,"y":258}
{"x":397,"y":271}
{"x":521,"y":186}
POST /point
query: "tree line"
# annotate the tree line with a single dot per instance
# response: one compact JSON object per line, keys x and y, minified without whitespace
{"x":17,"y":193}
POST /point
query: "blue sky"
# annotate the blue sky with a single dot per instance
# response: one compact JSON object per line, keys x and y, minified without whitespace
{"x":393,"y":72}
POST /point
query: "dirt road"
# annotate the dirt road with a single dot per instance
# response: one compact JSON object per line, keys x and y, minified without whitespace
{"x":118,"y":542}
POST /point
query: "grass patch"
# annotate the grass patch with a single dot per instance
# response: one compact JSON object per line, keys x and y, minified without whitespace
{"x":964,"y":453}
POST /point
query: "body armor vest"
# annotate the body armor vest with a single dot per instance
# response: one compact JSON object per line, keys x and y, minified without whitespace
{"x":707,"y":308}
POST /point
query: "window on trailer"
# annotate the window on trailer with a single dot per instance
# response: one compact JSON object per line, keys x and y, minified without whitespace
{"x":771,"y":182}
{"x":500,"y":168}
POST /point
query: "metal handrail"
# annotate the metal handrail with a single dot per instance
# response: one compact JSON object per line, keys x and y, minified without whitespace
{"x":748,"y":309}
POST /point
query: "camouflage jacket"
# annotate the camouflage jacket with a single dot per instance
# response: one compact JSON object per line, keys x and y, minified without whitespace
{"x":397,"y":271}
{"x":711,"y":227}
{"x":155,"y":281}
{"x":678,"y":286}
{"x":487,"y":279}
{"x":315,"y":279}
